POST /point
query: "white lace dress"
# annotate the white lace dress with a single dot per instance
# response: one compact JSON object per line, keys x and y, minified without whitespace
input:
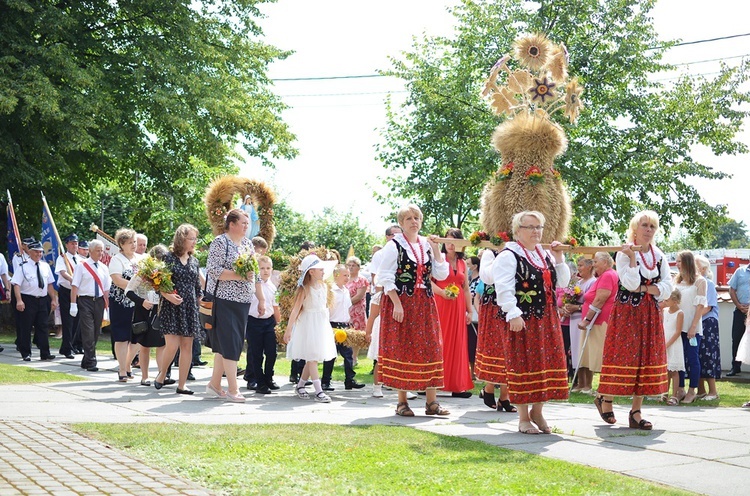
{"x":312,"y":335}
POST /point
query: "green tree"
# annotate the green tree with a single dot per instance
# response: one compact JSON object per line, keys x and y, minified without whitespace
{"x":130,"y":96}
{"x":731,"y":234}
{"x":631,"y":148}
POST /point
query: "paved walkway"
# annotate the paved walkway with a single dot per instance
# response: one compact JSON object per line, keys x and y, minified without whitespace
{"x":705,"y":450}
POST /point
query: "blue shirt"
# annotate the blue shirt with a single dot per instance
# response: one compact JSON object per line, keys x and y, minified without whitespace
{"x":740,"y":282}
{"x":713,"y":301}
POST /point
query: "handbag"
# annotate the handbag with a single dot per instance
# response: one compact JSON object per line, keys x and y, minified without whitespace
{"x":206,"y":313}
{"x":140,"y":328}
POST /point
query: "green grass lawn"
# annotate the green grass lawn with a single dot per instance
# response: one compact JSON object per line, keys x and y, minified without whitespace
{"x":329,"y":459}
{"x":16,"y":374}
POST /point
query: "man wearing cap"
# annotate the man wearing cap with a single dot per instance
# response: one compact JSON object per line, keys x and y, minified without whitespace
{"x":20,"y":258}
{"x":64,"y":277}
{"x":35,"y":299}
{"x":83,"y":249}
{"x":90,"y":290}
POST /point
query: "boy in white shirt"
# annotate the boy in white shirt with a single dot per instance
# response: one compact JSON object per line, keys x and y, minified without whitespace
{"x":260,"y":332}
{"x":339,"y":318}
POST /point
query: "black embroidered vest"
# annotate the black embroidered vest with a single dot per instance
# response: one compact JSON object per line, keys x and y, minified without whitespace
{"x":530,"y":294}
{"x":488,"y":296}
{"x":625,"y":296}
{"x":406,"y":272}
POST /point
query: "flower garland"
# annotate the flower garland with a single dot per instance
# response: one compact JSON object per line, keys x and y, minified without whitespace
{"x":535,"y":175}
{"x":506,"y":171}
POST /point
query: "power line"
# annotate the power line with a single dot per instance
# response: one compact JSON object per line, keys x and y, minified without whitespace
{"x":346,"y":94}
{"x":326,"y":78}
{"x":709,"y":40}
{"x":713,"y":60}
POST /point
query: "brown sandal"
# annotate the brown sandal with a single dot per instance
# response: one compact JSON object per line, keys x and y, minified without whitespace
{"x":642,"y":424}
{"x":403,"y":410}
{"x":608,"y":417}
{"x":434,"y":408}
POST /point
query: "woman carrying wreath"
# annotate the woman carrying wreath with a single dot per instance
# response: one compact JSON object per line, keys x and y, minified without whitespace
{"x":525,"y":281}
{"x":411,"y":352}
{"x":635,"y":357}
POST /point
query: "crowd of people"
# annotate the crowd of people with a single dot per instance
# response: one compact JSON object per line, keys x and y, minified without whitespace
{"x":522,"y":319}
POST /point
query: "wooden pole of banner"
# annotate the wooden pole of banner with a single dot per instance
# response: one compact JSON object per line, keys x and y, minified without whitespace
{"x":106,"y":236}
{"x":60,"y":245}
{"x":15,"y":225}
{"x":586,"y":250}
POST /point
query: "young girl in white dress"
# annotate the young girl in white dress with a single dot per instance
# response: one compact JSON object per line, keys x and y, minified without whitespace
{"x":673,"y":320}
{"x":308,"y":333}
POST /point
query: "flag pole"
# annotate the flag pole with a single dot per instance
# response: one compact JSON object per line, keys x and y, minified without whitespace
{"x":15,"y":222}
{"x":68,"y":267}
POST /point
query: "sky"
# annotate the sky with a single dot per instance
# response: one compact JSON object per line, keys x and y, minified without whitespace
{"x":338,"y":121}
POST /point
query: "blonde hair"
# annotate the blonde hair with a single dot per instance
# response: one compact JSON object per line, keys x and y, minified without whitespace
{"x":676,"y":295}
{"x":338,"y":269}
{"x":652,"y":217}
{"x":124,"y":235}
{"x":516,"y":222}
{"x":704,"y":263}
{"x":265,"y":259}
{"x":688,"y":271}
{"x":409,"y":209}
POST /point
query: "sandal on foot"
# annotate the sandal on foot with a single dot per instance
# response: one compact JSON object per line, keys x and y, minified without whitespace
{"x":489,"y":399}
{"x":434,"y":408}
{"x":608,"y":417}
{"x":528,"y":428}
{"x":145,"y":382}
{"x":302,"y":393}
{"x":673,"y":401}
{"x":746,"y":405}
{"x":504,"y":405}
{"x":642,"y":424}
{"x":321,"y":397}
{"x":710,"y":397}
{"x":403,"y":410}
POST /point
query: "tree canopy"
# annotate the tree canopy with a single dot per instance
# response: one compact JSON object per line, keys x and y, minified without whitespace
{"x":631,"y":148}
{"x":142,"y":100}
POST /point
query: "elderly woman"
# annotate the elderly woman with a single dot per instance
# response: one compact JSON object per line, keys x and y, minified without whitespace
{"x":411,"y":352}
{"x":122,"y":268}
{"x":454,"y":313}
{"x":708,"y":350}
{"x":693,"y":288}
{"x":597,"y":305}
{"x":232,"y":297}
{"x":179,"y":312}
{"x":357,"y":287}
{"x":146,"y":305}
{"x":635,"y":357}
{"x":572,"y":310}
{"x":525,"y":280}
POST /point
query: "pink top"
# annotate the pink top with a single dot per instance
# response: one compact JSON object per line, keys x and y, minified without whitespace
{"x":608,"y":280}
{"x":357,"y":314}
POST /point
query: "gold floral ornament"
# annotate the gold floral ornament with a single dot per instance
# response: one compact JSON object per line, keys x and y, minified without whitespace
{"x":542,"y":89}
{"x":557,"y":65}
{"x":519,"y":81}
{"x":533,"y":51}
{"x":573,"y":103}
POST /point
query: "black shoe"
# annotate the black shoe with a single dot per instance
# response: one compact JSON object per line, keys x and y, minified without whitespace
{"x":273,"y":386}
{"x":190,"y":376}
{"x":240,"y":372}
{"x":294,"y":379}
{"x":78,"y":351}
{"x":70,"y":357}
{"x":184,"y":391}
{"x":734,"y":372}
{"x":27,"y":358}
{"x":92,"y":369}
{"x":168,"y":381}
{"x":326,"y":387}
{"x":353,"y":384}
{"x":465,"y":394}
{"x":2,"y":349}
{"x":158,"y":385}
{"x":199,"y":363}
{"x":262,"y":390}
{"x":252,"y":386}
{"x":48,"y":357}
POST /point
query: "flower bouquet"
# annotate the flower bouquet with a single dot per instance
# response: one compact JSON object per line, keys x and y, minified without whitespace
{"x":571,"y":294}
{"x":157,"y":274}
{"x":245,"y":264}
{"x":340,"y":336}
{"x":451,"y":291}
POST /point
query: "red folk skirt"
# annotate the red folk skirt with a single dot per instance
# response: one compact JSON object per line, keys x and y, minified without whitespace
{"x":535,"y":358}
{"x":411,"y":352}
{"x":489,"y":364}
{"x":634,"y":362}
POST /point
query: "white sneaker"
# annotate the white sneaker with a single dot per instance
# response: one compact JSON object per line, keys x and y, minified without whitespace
{"x":377,"y":391}
{"x":321,"y":397}
{"x":410,"y":396}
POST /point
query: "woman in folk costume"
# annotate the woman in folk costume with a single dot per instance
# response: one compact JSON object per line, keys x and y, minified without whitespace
{"x":525,"y":280}
{"x":635,"y":359}
{"x":411,"y":351}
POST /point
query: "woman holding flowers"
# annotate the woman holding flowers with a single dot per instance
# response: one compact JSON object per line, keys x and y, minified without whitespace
{"x":122,"y":268}
{"x":142,"y":292}
{"x":411,"y":355}
{"x":453,"y":301}
{"x":572,"y":305}
{"x":233,"y":282}
{"x":179,"y":306}
{"x":525,"y":281}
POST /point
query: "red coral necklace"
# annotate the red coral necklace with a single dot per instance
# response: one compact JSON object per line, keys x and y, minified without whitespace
{"x":419,"y":258}
{"x":531,"y":260}
{"x":653,"y":258}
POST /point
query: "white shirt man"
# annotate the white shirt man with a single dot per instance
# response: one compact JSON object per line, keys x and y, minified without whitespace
{"x":65,"y":273}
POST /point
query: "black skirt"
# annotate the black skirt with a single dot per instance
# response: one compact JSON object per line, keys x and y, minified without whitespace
{"x":228,"y":334}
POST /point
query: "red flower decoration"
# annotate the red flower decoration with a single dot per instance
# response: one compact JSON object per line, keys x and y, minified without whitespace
{"x":504,"y":236}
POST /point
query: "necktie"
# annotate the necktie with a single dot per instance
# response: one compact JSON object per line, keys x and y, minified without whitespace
{"x":75,"y":262}
{"x":96,"y":286}
{"x":39,"y":276}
